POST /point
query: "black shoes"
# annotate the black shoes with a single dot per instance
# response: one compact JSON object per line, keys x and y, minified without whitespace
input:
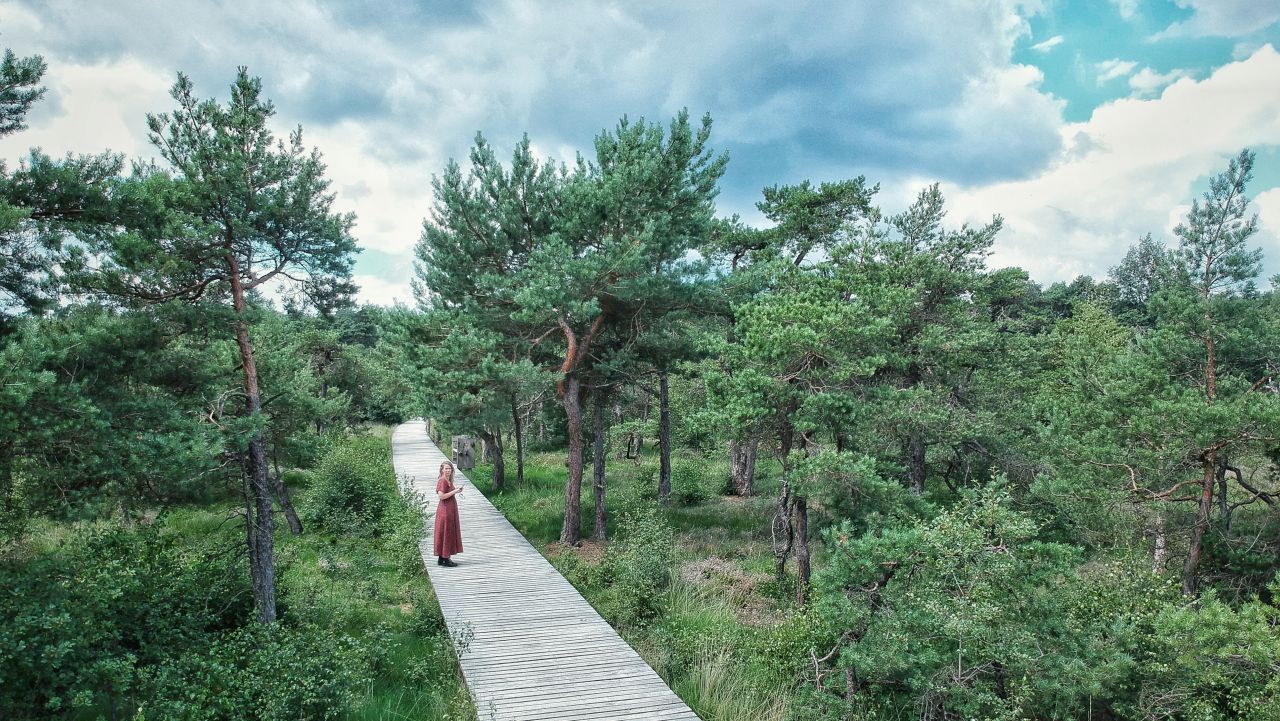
{"x":447,"y":563}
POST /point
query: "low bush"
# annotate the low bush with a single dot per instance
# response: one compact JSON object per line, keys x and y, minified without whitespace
{"x":348,"y":494}
{"x":403,"y":527}
{"x":638,"y":565}
{"x":83,"y":623}
{"x":271,"y":673}
{"x":696,"y":480}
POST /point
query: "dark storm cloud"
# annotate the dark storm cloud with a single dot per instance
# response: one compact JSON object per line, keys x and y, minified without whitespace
{"x":801,"y":89}
{"x":331,"y":94}
{"x":405,"y":20}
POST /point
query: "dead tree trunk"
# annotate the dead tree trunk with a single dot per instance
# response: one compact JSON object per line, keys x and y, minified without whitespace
{"x":800,"y":513}
{"x":620,"y":449}
{"x":742,"y":465}
{"x":493,"y":452}
{"x":915,"y":449}
{"x":1160,"y":556}
{"x":286,"y":504}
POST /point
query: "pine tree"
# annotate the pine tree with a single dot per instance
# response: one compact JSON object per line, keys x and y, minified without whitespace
{"x":241,"y":210}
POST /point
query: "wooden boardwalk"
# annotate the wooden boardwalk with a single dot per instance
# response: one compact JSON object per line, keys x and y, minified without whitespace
{"x":537,"y":651}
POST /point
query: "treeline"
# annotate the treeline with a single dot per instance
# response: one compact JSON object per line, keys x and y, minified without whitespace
{"x":1027,"y":501}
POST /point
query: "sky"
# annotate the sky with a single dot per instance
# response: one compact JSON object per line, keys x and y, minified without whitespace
{"x":1084,"y":124}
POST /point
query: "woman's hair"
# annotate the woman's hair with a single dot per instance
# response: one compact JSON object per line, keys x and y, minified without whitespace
{"x":443,"y":466}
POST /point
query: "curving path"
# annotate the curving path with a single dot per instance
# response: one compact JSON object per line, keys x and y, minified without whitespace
{"x":531,"y":647}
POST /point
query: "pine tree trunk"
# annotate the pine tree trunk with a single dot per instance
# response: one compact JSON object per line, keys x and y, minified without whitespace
{"x":915,"y":462}
{"x":783,"y":530}
{"x":571,"y":531}
{"x":801,"y":516}
{"x":1209,"y":461}
{"x":1190,"y":581}
{"x":742,"y":465}
{"x":597,"y":458}
{"x":519,"y":437}
{"x":260,"y":522}
{"x":664,"y":439}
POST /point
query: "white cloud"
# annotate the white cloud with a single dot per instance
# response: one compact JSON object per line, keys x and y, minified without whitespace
{"x":1128,"y":9}
{"x":1147,"y":82}
{"x":1224,"y":18}
{"x":1109,"y":70}
{"x":1047,"y":45}
{"x":1130,"y":169}
{"x":97,"y":106}
{"x":379,"y":291}
{"x":1267,"y":205}
{"x":1244,"y":49}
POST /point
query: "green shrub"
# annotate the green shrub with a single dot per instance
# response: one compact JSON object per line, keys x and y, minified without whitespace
{"x":695,"y":480}
{"x":638,"y":565}
{"x":81,"y":624}
{"x":272,"y":673}
{"x":296,"y":478}
{"x":349,"y":489}
{"x":403,"y":527}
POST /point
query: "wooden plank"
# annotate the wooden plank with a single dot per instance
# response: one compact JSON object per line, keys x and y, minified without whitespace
{"x":530,"y":646}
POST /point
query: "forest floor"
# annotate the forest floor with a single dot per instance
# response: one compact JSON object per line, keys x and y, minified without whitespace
{"x":715,"y":632}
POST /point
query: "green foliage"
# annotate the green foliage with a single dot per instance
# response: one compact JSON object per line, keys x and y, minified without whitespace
{"x":850,"y":487}
{"x":272,"y":672}
{"x":19,"y":89}
{"x":695,"y":480}
{"x":125,"y":390}
{"x":1146,"y":269}
{"x":1217,"y":661}
{"x":953,"y":613}
{"x":348,"y":494}
{"x":84,"y":623}
{"x":638,"y":565}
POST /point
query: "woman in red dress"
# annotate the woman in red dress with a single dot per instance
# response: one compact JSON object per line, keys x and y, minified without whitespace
{"x":448,"y":532}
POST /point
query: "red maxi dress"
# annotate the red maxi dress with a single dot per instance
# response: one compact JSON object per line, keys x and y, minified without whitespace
{"x":448,"y":539}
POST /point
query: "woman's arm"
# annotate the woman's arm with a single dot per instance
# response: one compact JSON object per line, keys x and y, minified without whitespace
{"x":443,"y":495}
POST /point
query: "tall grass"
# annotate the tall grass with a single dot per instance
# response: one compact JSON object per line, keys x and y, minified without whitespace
{"x":720,"y":689}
